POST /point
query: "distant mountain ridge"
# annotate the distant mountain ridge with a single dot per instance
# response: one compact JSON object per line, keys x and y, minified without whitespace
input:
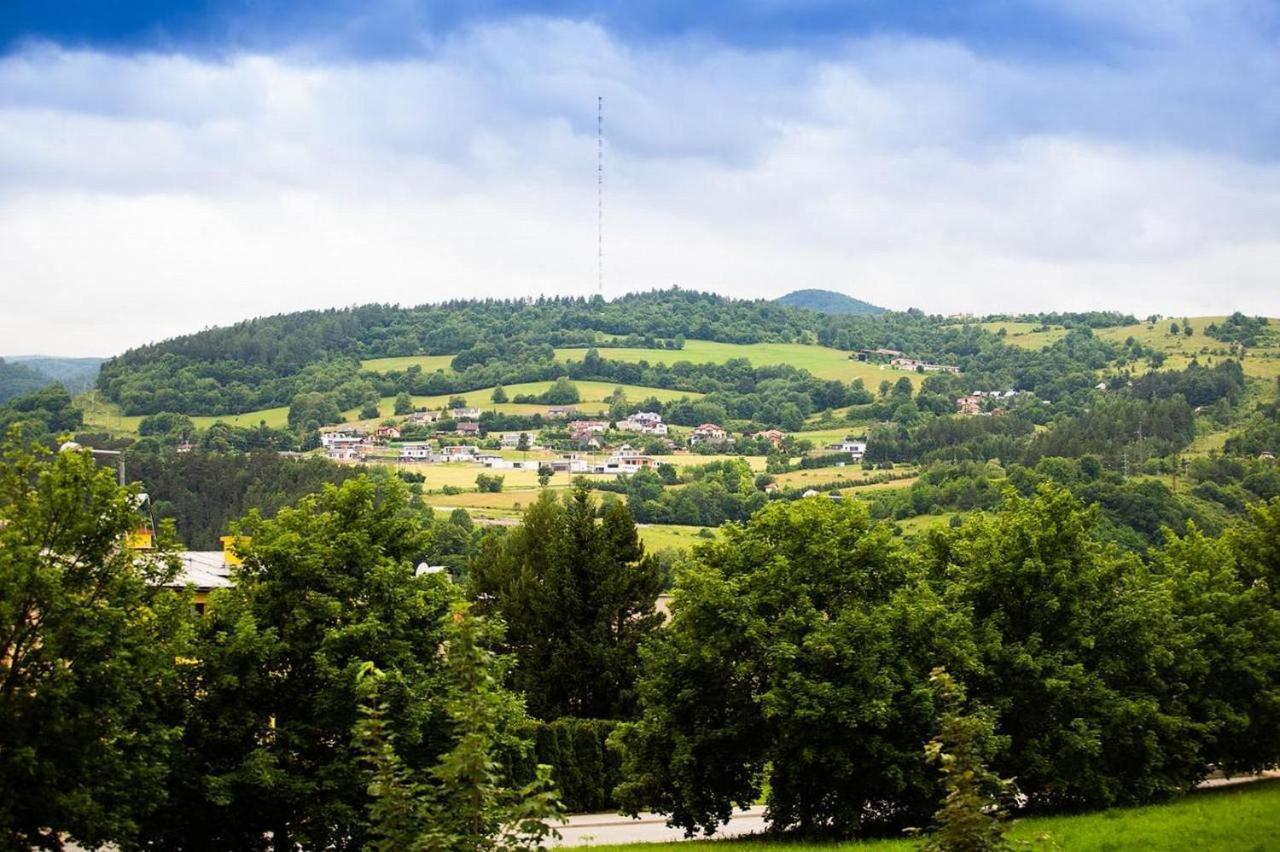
{"x":22,"y":374}
{"x":828,"y":302}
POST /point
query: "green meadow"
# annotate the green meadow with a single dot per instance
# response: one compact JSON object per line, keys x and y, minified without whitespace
{"x":822,"y":361}
{"x":1243,"y":818}
{"x":593,"y":399}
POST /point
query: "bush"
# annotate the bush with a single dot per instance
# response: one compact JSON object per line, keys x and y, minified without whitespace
{"x":490,"y":483}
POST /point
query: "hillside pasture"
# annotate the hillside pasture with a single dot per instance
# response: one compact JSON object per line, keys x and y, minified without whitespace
{"x":399,"y":363}
{"x":593,"y":399}
{"x":98,"y":413}
{"x":1024,"y":334}
{"x":821,"y":361}
{"x":1179,"y":350}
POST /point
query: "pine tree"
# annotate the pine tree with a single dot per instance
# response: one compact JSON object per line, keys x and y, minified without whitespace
{"x":465,"y":805}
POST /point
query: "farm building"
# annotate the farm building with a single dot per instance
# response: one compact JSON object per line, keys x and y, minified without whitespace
{"x":925,"y":366}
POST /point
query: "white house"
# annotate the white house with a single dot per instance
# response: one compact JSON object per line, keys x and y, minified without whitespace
{"x":327,"y":439}
{"x":464,"y":413}
{"x":512,"y":439}
{"x":416,"y":452}
{"x":857,"y":449}
{"x":344,"y":447}
{"x":458,"y":452}
{"x":645,"y":422}
{"x":625,"y":460}
{"x":571,"y":463}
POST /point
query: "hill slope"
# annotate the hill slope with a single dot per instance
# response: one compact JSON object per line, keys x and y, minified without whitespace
{"x":77,"y":375}
{"x":828,"y":302}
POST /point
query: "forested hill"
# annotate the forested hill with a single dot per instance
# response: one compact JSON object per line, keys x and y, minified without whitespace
{"x":267,"y":361}
{"x":828,"y":302}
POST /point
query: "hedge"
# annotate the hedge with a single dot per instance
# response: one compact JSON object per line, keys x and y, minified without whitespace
{"x":584,"y":767}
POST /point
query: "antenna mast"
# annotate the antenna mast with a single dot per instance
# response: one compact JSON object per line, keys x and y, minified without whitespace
{"x":600,"y":194}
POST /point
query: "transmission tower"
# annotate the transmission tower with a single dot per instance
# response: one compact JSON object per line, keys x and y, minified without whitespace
{"x":600,"y":194}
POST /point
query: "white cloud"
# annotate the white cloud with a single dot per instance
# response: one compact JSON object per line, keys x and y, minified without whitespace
{"x":149,"y":195}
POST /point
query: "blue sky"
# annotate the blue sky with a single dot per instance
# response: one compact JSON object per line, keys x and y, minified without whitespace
{"x":202,"y":162}
{"x":394,"y":28}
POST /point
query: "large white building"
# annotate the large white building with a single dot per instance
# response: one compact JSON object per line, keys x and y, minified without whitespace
{"x":645,"y":422}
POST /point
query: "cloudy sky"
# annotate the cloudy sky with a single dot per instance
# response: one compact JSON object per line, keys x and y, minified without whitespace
{"x":165,"y":171}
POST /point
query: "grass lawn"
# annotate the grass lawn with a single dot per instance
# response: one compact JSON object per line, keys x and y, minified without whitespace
{"x":1244,"y":818}
{"x":823,"y":362}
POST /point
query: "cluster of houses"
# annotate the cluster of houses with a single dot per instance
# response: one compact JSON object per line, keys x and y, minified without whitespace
{"x":644,"y":422}
{"x":902,"y":362}
{"x":623,"y":460}
{"x":977,"y":402}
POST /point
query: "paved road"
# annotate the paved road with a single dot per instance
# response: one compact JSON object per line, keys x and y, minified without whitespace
{"x":604,"y":829}
{"x":601,"y":829}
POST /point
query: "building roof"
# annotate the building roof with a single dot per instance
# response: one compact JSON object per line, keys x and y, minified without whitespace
{"x":204,"y":569}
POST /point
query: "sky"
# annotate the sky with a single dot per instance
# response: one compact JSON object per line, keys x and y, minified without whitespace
{"x":167,"y":169}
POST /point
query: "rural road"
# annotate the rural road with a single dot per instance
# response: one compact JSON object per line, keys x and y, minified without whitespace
{"x":604,"y":829}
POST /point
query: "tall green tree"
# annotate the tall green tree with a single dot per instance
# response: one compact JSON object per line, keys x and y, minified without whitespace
{"x":90,"y":698}
{"x":1083,"y":655}
{"x":269,"y":759}
{"x":578,"y":598}
{"x":798,"y":655}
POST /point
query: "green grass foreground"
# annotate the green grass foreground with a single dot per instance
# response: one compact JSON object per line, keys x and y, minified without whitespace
{"x":1244,"y":818}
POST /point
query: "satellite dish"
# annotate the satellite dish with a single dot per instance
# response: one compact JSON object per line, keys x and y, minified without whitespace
{"x":69,"y":447}
{"x":424,"y":568}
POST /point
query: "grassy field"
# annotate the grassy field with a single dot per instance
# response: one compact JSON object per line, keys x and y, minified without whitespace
{"x":106,"y":415}
{"x":1024,"y":334}
{"x":664,"y":536}
{"x":593,"y":396}
{"x":428,"y":363}
{"x":1245,"y":818}
{"x":833,"y":435}
{"x":812,"y":476}
{"x":822,"y":361}
{"x":920,"y":523}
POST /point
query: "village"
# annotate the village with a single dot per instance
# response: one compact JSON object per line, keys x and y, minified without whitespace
{"x":564,"y":445}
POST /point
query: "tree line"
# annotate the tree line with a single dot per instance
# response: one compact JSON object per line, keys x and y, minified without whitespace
{"x":339,"y":697}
